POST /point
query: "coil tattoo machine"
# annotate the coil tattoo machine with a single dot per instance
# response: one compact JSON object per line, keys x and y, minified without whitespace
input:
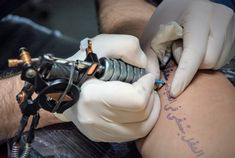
{"x":56,"y":83}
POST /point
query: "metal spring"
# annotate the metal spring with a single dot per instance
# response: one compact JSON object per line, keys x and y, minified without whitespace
{"x":118,"y":70}
{"x":26,"y":151}
{"x":15,"y":150}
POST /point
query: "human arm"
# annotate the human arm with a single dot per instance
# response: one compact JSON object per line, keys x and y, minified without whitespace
{"x":114,"y":110}
{"x":198,"y":123}
{"x":10,"y":111}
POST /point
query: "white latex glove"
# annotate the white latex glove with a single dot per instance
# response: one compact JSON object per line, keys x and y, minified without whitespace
{"x":115,"y":111}
{"x":209,"y":32}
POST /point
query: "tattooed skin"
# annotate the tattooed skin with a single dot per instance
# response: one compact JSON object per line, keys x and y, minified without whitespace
{"x":181,"y":123}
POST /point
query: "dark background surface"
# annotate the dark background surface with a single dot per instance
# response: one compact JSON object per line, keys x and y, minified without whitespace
{"x":74,"y":18}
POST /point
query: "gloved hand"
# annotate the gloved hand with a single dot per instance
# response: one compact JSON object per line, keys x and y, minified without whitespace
{"x":115,"y":111}
{"x":209,"y":32}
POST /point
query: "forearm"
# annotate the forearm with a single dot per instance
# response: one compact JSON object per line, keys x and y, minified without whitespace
{"x":10,"y":111}
{"x":198,"y":123}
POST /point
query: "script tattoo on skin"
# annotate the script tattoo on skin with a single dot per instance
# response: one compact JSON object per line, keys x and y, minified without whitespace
{"x":181,"y":123}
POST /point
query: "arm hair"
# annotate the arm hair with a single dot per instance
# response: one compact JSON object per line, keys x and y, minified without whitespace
{"x":10,"y":113}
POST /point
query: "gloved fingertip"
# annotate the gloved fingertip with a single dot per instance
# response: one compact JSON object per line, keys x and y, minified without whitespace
{"x":174,"y":93}
{"x":177,"y":49}
{"x":177,"y":87}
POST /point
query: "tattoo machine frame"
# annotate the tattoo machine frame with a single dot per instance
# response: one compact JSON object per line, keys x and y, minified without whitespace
{"x":57,"y":84}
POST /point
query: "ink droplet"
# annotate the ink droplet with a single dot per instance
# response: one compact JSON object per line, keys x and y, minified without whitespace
{"x":184,"y":118}
{"x":178,"y":134}
{"x":188,"y":126}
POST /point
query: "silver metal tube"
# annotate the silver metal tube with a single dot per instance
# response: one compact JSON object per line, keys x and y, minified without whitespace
{"x":118,"y":70}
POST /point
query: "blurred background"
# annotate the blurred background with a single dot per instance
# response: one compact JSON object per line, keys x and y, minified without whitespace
{"x":74,"y":18}
{"x":44,"y":26}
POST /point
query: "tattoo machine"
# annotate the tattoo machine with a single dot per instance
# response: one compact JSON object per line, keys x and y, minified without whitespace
{"x":57,"y":84}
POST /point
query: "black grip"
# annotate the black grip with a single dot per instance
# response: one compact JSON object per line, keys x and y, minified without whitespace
{"x":61,"y":71}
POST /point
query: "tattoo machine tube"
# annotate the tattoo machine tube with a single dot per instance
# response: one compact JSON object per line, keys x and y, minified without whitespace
{"x":108,"y":70}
